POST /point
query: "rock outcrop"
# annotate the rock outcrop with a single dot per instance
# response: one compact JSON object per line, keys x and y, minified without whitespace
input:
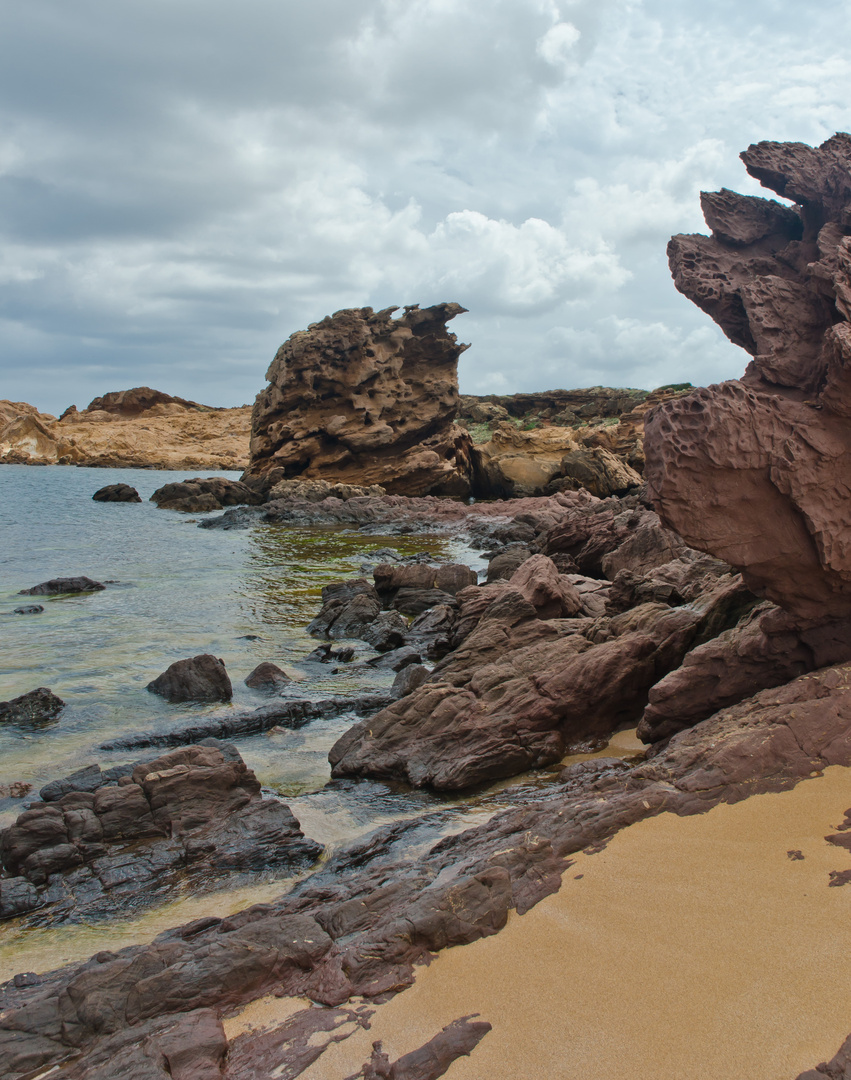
{"x":362,"y":398}
{"x":755,"y":470}
{"x":198,"y":496}
{"x":102,"y":839}
{"x":139,"y":428}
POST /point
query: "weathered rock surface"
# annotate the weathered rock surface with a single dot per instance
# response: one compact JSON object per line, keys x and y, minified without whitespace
{"x":117,"y":493}
{"x":198,"y":496}
{"x":201,"y":678}
{"x":755,"y":471}
{"x":60,"y":586}
{"x":362,"y":398}
{"x":101,"y":845}
{"x":430,"y":1061}
{"x":37,"y":707}
{"x":139,"y":428}
{"x":359,"y":925}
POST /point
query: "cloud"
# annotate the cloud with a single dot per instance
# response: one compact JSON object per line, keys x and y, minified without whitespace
{"x":184,"y":184}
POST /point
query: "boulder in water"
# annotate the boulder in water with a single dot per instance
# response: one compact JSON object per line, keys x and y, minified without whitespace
{"x":200,"y":678}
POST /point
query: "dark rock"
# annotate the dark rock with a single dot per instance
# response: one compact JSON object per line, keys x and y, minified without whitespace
{"x":89,"y":779}
{"x":267,"y":677}
{"x":348,"y":609}
{"x":199,"y":496}
{"x":294,"y":713}
{"x":37,"y":707}
{"x":386,"y":631}
{"x":196,"y":810}
{"x":506,"y":562}
{"x":396,"y":660}
{"x":29,"y":609}
{"x":59,"y":586}
{"x":409,"y":679}
{"x":431,"y":1061}
{"x":117,"y":493}
{"x":200,"y":678}
{"x":413,"y":601}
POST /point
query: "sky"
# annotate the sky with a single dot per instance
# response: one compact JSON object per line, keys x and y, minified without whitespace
{"x":185,"y":183}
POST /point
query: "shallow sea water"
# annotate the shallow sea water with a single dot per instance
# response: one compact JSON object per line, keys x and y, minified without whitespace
{"x":176,"y":590}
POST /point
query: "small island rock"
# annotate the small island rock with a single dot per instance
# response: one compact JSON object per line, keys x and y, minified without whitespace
{"x":199,"y":678}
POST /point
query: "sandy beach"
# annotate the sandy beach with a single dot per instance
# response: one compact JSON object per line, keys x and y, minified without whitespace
{"x":689,"y":946}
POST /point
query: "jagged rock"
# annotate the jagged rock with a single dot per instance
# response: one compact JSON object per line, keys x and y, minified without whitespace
{"x":317,"y":490}
{"x":267,"y":677}
{"x":408,"y":680}
{"x":362,"y":398}
{"x":117,"y":493}
{"x":597,"y":470}
{"x":60,"y":586}
{"x":99,"y":843}
{"x":449,"y":579}
{"x":200,"y":678}
{"x":518,"y":463}
{"x":386,"y":631}
{"x":37,"y":707}
{"x":349,"y":608}
{"x":768,"y":648}
{"x":754,"y":471}
{"x":506,"y":562}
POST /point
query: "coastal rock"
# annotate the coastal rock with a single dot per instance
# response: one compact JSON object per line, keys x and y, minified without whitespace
{"x":29,"y":609}
{"x":268,"y":678}
{"x":198,"y":496}
{"x":598,"y":470}
{"x":349,"y":608}
{"x":117,"y":493}
{"x":768,"y":648}
{"x":520,"y":463}
{"x":37,"y":707}
{"x":753,"y":470}
{"x":140,"y":428}
{"x":196,"y":810}
{"x":60,"y":586}
{"x":317,"y":490}
{"x":362,"y":398}
{"x":368,"y":915}
{"x":200,"y":678}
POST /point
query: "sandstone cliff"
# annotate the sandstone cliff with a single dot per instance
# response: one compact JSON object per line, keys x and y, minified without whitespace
{"x":364,"y":398}
{"x":139,"y":428}
{"x":756,"y":470}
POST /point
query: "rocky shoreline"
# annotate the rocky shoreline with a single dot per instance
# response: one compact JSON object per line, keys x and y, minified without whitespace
{"x":730,"y":658}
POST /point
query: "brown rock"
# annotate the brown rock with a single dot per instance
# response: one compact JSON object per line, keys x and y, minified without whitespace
{"x":138,"y":400}
{"x":362,"y":398}
{"x":753,"y":471}
{"x":199,"y":678}
{"x":117,"y":493}
{"x":36,"y":707}
{"x":267,"y":677}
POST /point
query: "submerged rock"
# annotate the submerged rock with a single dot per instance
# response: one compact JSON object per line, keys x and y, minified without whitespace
{"x":117,"y":493}
{"x":37,"y":707}
{"x":201,"y":678}
{"x":59,"y":586}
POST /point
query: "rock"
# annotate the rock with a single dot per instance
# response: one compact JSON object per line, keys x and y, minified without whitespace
{"x":292,"y":713}
{"x":59,"y":586}
{"x":390,"y":579}
{"x":29,"y":609}
{"x":37,"y":707}
{"x":408,"y":680}
{"x":415,"y":601}
{"x":18,"y":789}
{"x":117,"y":493}
{"x":768,"y":648}
{"x":318,"y":490}
{"x":199,"y":496}
{"x":396,"y":660}
{"x":200,"y":678}
{"x":597,"y":470}
{"x":362,"y":398}
{"x":753,"y":470}
{"x":367,"y":916}
{"x":125,"y":430}
{"x":195,"y":810}
{"x":506,"y":562}
{"x":324,"y":654}
{"x":349,"y":608}
{"x":267,"y":677}
{"x":432,"y":1060}
{"x":520,"y":463}
{"x":386,"y":631}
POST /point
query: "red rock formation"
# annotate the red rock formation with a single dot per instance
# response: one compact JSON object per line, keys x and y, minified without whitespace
{"x":366,"y":399}
{"x":756,"y":470}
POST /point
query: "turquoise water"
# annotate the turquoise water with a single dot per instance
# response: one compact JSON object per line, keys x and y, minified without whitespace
{"x":243,"y":595}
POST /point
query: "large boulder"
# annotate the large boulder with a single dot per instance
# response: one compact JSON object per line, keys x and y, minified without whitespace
{"x":37,"y":707}
{"x":755,"y":470}
{"x":362,"y":398}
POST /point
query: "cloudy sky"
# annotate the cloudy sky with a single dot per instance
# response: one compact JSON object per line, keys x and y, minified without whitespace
{"x":184,"y":183}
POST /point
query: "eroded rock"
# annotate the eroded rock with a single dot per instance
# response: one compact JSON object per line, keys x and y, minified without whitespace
{"x":362,"y":398}
{"x":201,"y":678}
{"x":37,"y":707}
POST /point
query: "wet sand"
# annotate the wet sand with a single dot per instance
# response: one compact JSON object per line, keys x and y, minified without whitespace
{"x":689,"y":947}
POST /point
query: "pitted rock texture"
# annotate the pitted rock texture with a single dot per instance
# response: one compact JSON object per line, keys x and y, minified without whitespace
{"x":756,"y":470}
{"x":362,"y":398}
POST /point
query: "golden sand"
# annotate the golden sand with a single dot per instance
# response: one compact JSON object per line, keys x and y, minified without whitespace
{"x":689,"y":947}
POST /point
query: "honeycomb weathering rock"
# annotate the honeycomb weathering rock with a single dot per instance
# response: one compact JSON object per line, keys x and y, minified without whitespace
{"x":758,"y":471}
{"x":363,"y":398}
